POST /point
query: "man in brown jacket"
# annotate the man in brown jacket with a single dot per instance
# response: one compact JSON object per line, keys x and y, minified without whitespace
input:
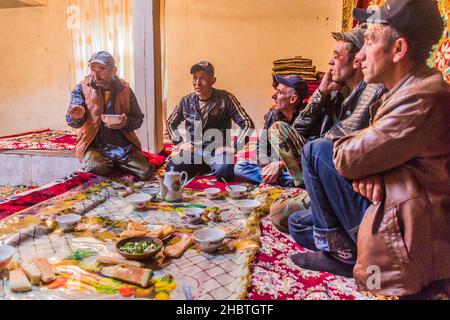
{"x":102,"y":147}
{"x":381,"y":196}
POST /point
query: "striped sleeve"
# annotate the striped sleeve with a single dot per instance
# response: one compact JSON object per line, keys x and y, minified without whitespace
{"x":173,"y":122}
{"x":241,"y":118}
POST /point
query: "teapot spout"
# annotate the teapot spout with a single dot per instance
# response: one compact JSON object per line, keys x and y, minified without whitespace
{"x":162,"y":186}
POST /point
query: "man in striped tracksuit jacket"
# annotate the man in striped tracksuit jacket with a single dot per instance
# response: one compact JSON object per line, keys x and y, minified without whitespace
{"x":207,"y":114}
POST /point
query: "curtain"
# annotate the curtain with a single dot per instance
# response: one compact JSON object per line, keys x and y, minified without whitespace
{"x":97,"y":25}
{"x":164,"y":61}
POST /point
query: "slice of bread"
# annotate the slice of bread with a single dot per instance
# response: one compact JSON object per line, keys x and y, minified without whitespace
{"x":116,"y":261}
{"x":177,"y":250}
{"x":46,"y":269}
{"x":137,"y":276}
{"x":32,"y":272}
{"x":18,"y":281}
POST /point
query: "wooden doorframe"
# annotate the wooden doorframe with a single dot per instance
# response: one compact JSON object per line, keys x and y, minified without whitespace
{"x":147,"y":71}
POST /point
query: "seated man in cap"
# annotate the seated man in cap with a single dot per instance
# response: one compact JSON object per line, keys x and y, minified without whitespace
{"x":100,"y":146}
{"x":289,"y":95}
{"x":381,"y":201}
{"x":339,"y":106}
{"x":207,"y":114}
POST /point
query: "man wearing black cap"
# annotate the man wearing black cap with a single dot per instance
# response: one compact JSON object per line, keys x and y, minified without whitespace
{"x":385,"y":190}
{"x":103,"y":146}
{"x":288,"y":97}
{"x":340,"y":106}
{"x":207,"y":113}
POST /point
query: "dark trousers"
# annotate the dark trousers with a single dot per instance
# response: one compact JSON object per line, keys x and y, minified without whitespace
{"x":336,"y":209}
{"x":221,"y":166}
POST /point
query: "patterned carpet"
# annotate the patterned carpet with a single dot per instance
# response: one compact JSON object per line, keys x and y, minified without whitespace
{"x":39,"y":140}
{"x":275,"y":277}
{"x":10,"y":191}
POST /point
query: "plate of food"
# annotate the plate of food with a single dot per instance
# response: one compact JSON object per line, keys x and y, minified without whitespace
{"x":139,"y":248}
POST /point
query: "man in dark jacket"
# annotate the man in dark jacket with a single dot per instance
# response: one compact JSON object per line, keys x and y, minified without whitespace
{"x":208,"y":114}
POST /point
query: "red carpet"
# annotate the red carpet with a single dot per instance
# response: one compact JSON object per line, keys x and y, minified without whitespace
{"x":275,"y":277}
{"x":33,"y":198}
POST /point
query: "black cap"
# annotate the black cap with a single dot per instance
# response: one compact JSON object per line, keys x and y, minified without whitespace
{"x":203,"y":65}
{"x":419,"y":20}
{"x":295,"y":82}
{"x":104,"y":58}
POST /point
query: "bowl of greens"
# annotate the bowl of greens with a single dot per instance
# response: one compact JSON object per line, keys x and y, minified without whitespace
{"x":139,"y":248}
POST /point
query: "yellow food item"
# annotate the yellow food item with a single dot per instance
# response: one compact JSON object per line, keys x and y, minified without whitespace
{"x":106,"y":236}
{"x":145,"y":293}
{"x":162,"y":295}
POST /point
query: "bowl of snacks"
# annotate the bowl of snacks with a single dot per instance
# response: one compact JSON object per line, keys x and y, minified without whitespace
{"x":139,"y":248}
{"x":237,"y":191}
{"x":138,"y":200}
{"x":6,"y":254}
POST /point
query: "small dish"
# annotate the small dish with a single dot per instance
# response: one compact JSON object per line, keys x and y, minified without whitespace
{"x":139,"y":256}
{"x":194,"y":215}
{"x":138,"y":200}
{"x":209,"y":239}
{"x":68,"y":222}
{"x":248,"y":205}
{"x":152,"y":192}
{"x":236,"y":192}
{"x":6,"y":254}
{"x":212,"y":193}
{"x":111,"y":119}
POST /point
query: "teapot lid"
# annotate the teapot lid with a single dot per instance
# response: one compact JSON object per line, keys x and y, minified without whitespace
{"x":172,"y":173}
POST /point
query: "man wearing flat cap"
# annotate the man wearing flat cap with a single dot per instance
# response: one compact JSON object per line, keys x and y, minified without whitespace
{"x":289,"y":96}
{"x":340,"y":106}
{"x":208,"y":114}
{"x":103,"y":147}
{"x":381,"y":200}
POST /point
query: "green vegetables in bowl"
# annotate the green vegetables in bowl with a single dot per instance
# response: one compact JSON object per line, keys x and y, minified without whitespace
{"x":139,"y":247}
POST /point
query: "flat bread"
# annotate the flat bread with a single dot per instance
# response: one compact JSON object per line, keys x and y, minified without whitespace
{"x":46,"y":269}
{"x":177,"y":250}
{"x":137,"y":276}
{"x":32,"y":272}
{"x":18,"y":281}
{"x":117,"y":261}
